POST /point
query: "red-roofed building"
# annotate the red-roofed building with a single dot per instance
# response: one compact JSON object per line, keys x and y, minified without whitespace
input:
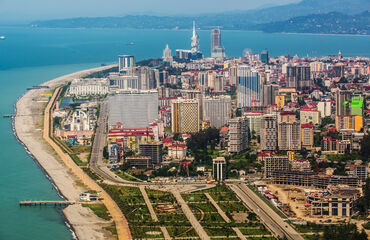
{"x":177,"y":151}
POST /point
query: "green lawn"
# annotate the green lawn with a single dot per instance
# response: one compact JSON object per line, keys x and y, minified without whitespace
{"x":100,"y":210}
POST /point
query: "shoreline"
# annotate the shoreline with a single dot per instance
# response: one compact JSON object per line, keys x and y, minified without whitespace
{"x":190,"y":29}
{"x":51,"y":167}
{"x":29,"y":153}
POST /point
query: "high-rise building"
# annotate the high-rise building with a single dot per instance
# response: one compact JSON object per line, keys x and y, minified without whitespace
{"x":341,"y":99}
{"x":238,"y":135}
{"x":310,"y":116}
{"x":152,"y":150}
{"x":167,"y":54}
{"x":298,"y":76}
{"x":269,"y":93}
{"x":249,"y":87}
{"x":125,"y":62}
{"x":194,"y":53}
{"x":185,"y":116}
{"x":357,"y":104}
{"x":219,"y":169}
{"x":265,"y":57}
{"x":133,"y":109}
{"x":348,"y":122}
{"x":215,"y":38}
{"x":217,"y":50}
{"x":216,"y":110}
{"x":307,"y":135}
{"x":275,"y":163}
{"x":268,"y":132}
{"x":324,"y":107}
{"x":254,"y":123}
{"x":195,"y":41}
{"x":289,"y":136}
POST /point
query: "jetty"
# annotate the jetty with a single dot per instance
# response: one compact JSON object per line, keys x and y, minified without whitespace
{"x":7,"y":115}
{"x":37,"y":87}
{"x":46,"y":203}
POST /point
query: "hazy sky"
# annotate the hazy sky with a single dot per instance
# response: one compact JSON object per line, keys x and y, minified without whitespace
{"x":25,"y":10}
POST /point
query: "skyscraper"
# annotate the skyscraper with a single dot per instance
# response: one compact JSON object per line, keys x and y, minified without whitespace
{"x":268,"y":132}
{"x":215,"y":38}
{"x":126,"y":62}
{"x":195,"y":41}
{"x":249,"y":87}
{"x":216,"y":110}
{"x":269,"y":93}
{"x":167,"y":54}
{"x":289,"y":136}
{"x":185,"y":116}
{"x":341,"y":98}
{"x":238,"y":135}
{"x":265,"y":57}
{"x":298,"y":76}
{"x":217,"y":50}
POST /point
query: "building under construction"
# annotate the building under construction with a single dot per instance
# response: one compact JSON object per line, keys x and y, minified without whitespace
{"x":333,"y":202}
{"x":311,"y":179}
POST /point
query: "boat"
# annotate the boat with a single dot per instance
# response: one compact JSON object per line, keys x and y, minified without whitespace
{"x":2,"y":37}
{"x":130,"y":43}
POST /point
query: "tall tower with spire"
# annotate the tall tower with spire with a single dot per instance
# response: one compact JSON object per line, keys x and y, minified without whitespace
{"x":194,"y":41}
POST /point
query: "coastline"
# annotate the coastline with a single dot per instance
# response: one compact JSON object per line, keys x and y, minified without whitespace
{"x":65,"y":218}
{"x":25,"y":129}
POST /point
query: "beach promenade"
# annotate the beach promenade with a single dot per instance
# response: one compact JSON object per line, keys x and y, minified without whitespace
{"x":28,"y":128}
{"x":119,"y":219}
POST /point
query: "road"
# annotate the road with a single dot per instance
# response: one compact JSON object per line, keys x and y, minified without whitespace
{"x":274,"y":222}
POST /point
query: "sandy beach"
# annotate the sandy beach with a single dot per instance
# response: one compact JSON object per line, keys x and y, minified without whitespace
{"x":28,"y":128}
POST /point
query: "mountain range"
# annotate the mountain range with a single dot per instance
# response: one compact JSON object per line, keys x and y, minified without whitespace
{"x":270,"y":19}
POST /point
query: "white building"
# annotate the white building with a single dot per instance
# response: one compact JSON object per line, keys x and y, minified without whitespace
{"x":89,"y":86}
{"x":216,"y":110}
{"x":79,"y":121}
{"x":177,"y":151}
{"x":167,"y":54}
{"x":135,"y":109}
{"x":324,"y":108}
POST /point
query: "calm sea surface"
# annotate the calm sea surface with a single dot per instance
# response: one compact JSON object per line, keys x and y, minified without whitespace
{"x":30,"y":56}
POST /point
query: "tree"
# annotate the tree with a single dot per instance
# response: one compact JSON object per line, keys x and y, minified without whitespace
{"x":105,"y":152}
{"x":343,"y":232}
{"x":365,"y":147}
{"x":364,"y":202}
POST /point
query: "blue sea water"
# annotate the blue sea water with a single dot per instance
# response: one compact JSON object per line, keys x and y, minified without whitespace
{"x":30,"y":56}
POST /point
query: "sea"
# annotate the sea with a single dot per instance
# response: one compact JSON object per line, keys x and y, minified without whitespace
{"x":30,"y":56}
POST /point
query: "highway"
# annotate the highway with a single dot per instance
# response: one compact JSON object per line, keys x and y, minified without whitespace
{"x":274,"y":222}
